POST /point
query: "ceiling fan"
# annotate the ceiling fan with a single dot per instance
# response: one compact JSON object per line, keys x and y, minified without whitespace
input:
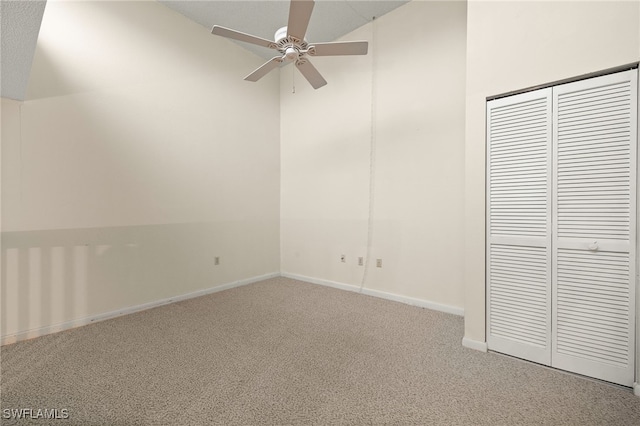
{"x":289,"y":41}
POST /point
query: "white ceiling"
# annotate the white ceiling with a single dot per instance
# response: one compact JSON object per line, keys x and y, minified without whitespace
{"x":331,"y":19}
{"x":19,"y":25}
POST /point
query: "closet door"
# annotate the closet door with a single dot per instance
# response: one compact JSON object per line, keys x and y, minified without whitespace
{"x":518,"y":225}
{"x":594,"y":226}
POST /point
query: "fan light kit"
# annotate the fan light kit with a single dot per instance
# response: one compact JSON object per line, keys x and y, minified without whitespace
{"x":292,"y":45}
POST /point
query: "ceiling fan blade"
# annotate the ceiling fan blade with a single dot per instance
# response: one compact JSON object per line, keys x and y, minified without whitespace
{"x":264,"y":69}
{"x":339,"y":48}
{"x":237,"y":35}
{"x":299,"y":16}
{"x":311,"y":73}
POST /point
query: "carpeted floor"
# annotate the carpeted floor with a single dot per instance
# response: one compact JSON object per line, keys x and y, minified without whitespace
{"x":285,"y":352}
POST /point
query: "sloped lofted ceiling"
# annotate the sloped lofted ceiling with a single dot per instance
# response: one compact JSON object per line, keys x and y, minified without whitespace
{"x":19,"y":26}
{"x":331,"y":19}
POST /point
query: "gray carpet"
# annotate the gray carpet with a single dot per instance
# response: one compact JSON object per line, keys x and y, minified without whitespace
{"x":285,"y":352}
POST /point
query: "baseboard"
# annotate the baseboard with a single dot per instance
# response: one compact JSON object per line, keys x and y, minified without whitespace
{"x":415,"y":302}
{"x":636,"y":389}
{"x":377,"y":293}
{"x":30,"y":334}
{"x":327,"y":283}
{"x":474,"y":344}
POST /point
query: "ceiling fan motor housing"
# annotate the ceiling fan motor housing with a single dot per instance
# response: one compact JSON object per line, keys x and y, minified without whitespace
{"x":291,"y":47}
{"x":280,"y":34}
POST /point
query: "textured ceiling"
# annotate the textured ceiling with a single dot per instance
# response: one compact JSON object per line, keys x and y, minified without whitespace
{"x":19,"y":25}
{"x":330,"y":19}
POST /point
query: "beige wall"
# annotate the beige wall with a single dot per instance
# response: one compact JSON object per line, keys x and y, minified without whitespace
{"x":9,"y":131}
{"x":417,"y":63}
{"x":139,"y":155}
{"x":518,"y":44}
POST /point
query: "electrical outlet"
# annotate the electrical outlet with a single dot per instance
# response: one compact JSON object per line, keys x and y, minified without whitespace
{"x":343,"y":258}
{"x":360,"y":261}
{"x":216,"y":260}
{"x":379,"y":263}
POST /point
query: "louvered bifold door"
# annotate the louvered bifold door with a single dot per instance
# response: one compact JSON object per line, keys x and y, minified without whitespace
{"x":594,"y":226}
{"x":518,"y":225}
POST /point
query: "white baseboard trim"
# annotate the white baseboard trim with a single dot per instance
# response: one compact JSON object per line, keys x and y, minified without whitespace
{"x":474,"y":344}
{"x":636,"y":389}
{"x":37,"y":332}
{"x":381,"y":294}
{"x":327,"y":283}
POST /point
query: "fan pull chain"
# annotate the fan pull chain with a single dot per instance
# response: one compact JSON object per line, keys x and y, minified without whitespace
{"x":293,"y":79}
